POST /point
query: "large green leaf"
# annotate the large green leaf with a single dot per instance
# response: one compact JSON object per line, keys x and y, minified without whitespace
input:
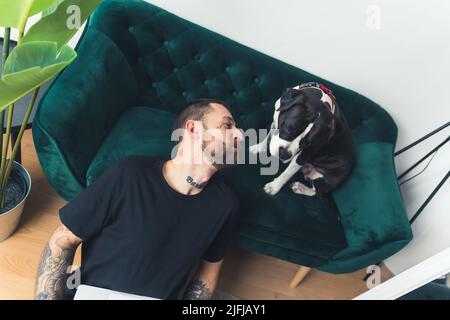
{"x":29,"y":66}
{"x":40,"y":5}
{"x":59,"y":25}
{"x":14,"y":13}
{"x":52,"y":8}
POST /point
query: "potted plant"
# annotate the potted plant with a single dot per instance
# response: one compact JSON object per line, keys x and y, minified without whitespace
{"x":40,"y":54}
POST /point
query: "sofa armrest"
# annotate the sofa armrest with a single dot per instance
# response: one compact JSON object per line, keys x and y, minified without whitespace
{"x":372,"y":210}
{"x":81,"y":107}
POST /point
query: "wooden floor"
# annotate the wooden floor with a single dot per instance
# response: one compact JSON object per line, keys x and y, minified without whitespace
{"x":245,"y":274}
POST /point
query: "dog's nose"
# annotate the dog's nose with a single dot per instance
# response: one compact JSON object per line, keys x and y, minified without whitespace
{"x":284,"y":154}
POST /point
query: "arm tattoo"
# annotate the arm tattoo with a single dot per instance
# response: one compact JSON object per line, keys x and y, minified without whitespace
{"x":197,"y":290}
{"x":52,"y":271}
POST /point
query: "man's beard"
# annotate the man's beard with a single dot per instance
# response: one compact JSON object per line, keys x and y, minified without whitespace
{"x":220,"y":160}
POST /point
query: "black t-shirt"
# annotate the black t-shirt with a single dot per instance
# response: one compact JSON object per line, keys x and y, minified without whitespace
{"x":143,"y":237}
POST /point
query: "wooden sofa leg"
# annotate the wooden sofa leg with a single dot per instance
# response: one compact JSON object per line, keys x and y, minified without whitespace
{"x":299,"y":276}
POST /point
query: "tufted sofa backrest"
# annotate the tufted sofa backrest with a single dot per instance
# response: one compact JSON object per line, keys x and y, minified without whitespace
{"x":175,"y":61}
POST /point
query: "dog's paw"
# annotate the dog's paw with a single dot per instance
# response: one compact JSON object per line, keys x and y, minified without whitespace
{"x":300,"y":188}
{"x":255,"y":149}
{"x":272,"y":188}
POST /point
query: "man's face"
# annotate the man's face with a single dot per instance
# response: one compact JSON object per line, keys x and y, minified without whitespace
{"x":221,"y":137}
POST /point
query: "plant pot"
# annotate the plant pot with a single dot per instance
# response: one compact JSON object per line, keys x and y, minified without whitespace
{"x":17,"y":190}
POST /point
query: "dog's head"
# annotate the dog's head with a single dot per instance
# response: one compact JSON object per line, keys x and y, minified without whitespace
{"x":303,"y":118}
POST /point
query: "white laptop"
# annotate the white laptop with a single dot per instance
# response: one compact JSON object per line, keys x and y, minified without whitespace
{"x":85,"y":292}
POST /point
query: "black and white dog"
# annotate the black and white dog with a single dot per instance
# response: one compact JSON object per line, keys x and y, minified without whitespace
{"x":311,"y":134}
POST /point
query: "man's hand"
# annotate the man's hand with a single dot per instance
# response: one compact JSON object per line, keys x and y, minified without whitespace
{"x":204,"y":282}
{"x":55,"y":260}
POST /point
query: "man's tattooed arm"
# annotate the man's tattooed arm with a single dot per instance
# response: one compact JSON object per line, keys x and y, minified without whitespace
{"x":53,"y":266}
{"x":204,"y":282}
{"x":197,"y":290}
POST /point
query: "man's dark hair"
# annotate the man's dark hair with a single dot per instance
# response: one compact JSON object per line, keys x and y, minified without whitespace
{"x":195,"y":110}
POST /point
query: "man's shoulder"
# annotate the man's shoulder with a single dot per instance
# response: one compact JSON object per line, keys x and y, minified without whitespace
{"x":131,"y":167}
{"x":135,"y":163}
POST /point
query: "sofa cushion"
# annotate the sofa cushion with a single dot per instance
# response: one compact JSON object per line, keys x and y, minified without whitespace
{"x":139,"y":131}
{"x":297,"y":226}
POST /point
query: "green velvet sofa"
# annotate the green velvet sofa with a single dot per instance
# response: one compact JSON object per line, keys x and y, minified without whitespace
{"x":137,"y":64}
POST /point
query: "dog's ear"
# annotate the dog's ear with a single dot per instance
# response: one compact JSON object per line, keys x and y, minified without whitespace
{"x":290,"y":98}
{"x":331,"y":128}
{"x":308,"y":139}
{"x":321,"y":132}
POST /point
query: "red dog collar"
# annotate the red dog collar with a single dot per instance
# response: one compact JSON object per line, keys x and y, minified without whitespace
{"x":322,"y":88}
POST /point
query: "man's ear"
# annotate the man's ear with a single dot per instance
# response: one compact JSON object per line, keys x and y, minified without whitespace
{"x":289,"y":98}
{"x":194,"y":129}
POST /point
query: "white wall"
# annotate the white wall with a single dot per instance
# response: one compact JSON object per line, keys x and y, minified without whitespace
{"x":404,"y":65}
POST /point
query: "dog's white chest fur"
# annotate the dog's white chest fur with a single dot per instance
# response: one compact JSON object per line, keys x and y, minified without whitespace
{"x":310,"y":172}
